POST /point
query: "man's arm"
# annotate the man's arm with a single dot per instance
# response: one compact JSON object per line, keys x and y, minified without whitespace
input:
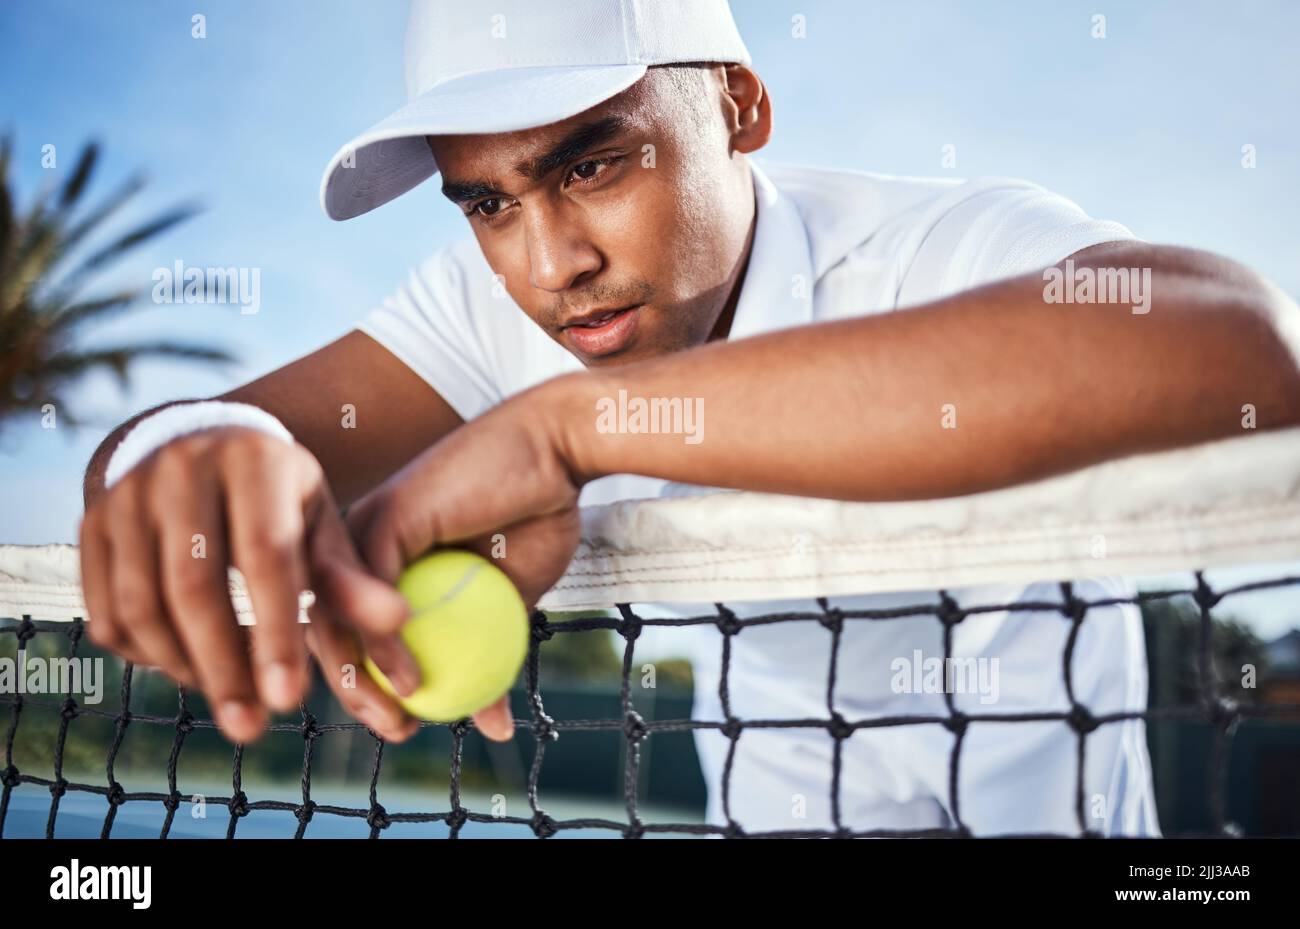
{"x":984,"y":389}
{"x":356,"y":407}
{"x":395,"y":414}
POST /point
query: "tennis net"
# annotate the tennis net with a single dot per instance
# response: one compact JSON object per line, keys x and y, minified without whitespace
{"x":711,"y":566}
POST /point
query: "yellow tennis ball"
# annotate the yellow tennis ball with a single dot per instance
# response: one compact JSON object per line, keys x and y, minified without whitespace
{"x":468,"y":632}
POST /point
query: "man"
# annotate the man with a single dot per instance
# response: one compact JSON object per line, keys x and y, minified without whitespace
{"x":599,"y":151}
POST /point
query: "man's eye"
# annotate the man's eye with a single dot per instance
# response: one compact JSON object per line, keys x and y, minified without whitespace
{"x":591,"y":169}
{"x":487,"y":207}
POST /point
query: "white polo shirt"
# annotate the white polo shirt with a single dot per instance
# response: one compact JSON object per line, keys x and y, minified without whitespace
{"x":829,"y":245}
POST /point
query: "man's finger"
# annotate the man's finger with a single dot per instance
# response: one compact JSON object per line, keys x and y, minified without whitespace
{"x":138,"y":610}
{"x":266,"y":523}
{"x":373,"y":537}
{"x":339,"y":657}
{"x":197,"y":598}
{"x":96,"y":587}
{"x":390,"y":655}
{"x":496,"y":722}
{"x":358,"y":599}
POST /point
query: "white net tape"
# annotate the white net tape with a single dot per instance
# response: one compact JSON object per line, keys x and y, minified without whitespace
{"x":1234,"y":501}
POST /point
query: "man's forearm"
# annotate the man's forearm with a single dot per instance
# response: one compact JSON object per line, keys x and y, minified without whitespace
{"x":981,"y":390}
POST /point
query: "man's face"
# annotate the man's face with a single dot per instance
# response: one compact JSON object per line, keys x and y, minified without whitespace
{"x":620,"y":231}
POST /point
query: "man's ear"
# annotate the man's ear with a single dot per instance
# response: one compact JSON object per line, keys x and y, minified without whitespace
{"x":750,"y":113}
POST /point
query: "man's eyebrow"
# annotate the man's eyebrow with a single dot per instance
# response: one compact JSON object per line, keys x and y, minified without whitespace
{"x":464,"y":191}
{"x":580,"y":140}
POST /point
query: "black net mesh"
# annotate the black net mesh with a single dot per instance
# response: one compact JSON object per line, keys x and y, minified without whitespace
{"x":1211,"y":706}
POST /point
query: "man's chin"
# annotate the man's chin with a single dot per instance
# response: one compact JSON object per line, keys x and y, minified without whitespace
{"x":614,"y":359}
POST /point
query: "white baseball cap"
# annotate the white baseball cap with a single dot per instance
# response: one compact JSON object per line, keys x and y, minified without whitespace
{"x":515,"y":64}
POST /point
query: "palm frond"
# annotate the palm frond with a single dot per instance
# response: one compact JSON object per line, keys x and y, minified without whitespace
{"x":67,"y":316}
{"x":118,"y":360}
{"x":7,"y":219}
{"x":110,"y":205}
{"x":137,"y":236}
{"x":40,"y":315}
{"x":37,"y":236}
{"x":76,"y":182}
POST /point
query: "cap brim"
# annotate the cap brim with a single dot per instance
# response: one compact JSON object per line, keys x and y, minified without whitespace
{"x":391,"y":157}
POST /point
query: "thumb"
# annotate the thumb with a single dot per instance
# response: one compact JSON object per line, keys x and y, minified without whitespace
{"x":496,"y":722}
{"x":376,"y":535}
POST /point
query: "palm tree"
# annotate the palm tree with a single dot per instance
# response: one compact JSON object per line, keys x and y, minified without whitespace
{"x":41,"y":312}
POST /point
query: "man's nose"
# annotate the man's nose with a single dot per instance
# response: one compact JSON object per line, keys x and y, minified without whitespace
{"x":560,"y":253}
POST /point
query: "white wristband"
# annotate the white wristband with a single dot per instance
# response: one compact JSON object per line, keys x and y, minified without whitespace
{"x":156,"y":430}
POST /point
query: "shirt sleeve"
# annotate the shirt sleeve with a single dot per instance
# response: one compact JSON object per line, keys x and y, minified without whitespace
{"x":987,"y":230}
{"x":426,"y":323}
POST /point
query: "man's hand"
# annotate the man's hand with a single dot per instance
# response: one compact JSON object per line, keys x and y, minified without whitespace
{"x":155,"y":549}
{"x":496,"y":484}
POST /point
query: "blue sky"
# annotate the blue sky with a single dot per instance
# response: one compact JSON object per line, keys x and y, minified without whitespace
{"x":1144,"y":126}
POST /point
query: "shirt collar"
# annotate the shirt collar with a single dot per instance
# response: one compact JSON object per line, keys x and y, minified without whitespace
{"x":778,"y":286}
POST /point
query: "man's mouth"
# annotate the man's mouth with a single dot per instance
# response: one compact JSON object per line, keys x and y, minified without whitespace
{"x":595,"y":318}
{"x":602,"y":332}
